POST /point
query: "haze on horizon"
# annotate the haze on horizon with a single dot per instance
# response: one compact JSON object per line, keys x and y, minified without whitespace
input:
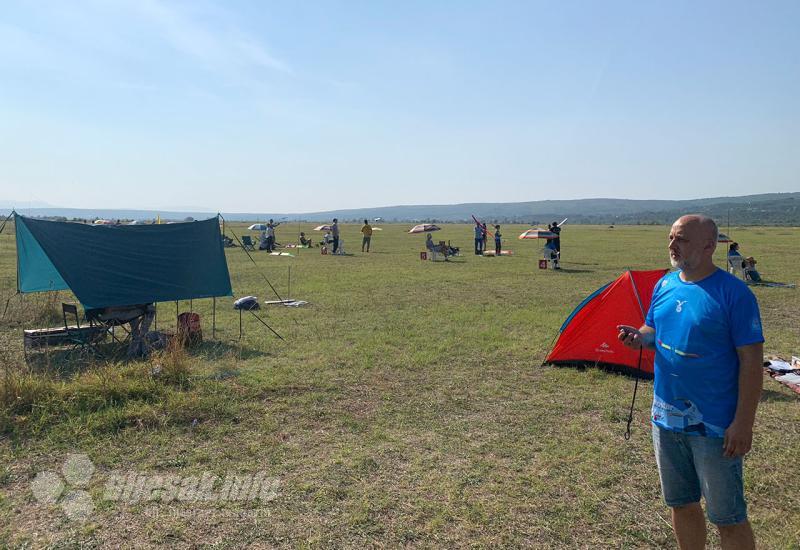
{"x":259,"y":106}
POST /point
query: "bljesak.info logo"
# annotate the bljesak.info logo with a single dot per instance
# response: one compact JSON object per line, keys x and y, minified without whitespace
{"x":68,"y":489}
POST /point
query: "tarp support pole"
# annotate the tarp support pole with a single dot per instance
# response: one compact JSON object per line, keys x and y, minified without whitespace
{"x":255,"y":264}
{"x":155,"y":315}
{"x":214,"y":318}
{"x":240,"y":324}
{"x":289,"y":289}
{"x":176,"y":317}
{"x":13,"y":213}
{"x":5,"y":221}
{"x":260,"y":320}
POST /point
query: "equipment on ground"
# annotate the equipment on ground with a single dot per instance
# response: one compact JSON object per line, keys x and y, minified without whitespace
{"x":424,"y":228}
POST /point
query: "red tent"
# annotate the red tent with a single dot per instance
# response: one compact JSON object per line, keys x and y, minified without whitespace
{"x":589,"y":335}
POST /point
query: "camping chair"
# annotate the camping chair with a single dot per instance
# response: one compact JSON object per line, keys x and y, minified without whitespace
{"x":340,"y":249}
{"x":736,"y":266}
{"x":552,"y":257}
{"x":439,"y":250}
{"x":452,"y":250}
{"x":81,"y":338}
{"x":247,"y":243}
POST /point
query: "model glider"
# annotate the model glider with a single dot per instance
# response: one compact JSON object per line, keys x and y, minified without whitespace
{"x":537,"y":233}
{"x":424,"y":228}
{"x":478,"y":222}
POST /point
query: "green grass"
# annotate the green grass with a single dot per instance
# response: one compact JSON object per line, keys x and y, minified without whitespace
{"x":406,"y":406}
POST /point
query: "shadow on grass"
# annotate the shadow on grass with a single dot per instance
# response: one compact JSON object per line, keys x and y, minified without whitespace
{"x":772,"y":396}
{"x":771,"y":284}
{"x":65,"y":363}
{"x":218,"y":349}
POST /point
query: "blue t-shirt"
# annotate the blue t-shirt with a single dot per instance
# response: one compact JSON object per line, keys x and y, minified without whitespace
{"x":478,"y":232}
{"x":698,"y":328}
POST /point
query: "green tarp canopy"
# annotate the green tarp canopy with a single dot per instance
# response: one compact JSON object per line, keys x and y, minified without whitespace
{"x":118,"y":265}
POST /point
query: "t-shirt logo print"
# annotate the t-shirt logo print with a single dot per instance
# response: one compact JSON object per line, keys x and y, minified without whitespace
{"x":679,"y":307}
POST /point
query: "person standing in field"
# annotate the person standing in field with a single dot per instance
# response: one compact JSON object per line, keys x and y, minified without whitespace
{"x":497,"y":240}
{"x":271,"y":235}
{"x":335,"y":234}
{"x":366,"y":230}
{"x":705,"y":327}
{"x":478,"y":239}
{"x":557,"y":241}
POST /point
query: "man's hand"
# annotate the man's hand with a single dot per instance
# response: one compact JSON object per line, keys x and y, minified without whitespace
{"x":739,"y":435}
{"x":629,"y":336}
{"x":738,"y":440}
{"x":634,"y":338}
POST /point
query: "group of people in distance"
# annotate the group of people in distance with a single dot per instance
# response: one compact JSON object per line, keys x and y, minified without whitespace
{"x":748,"y":264}
{"x":482,"y":238}
{"x":330,"y":238}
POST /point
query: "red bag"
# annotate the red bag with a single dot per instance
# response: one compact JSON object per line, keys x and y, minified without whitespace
{"x":189,"y":329}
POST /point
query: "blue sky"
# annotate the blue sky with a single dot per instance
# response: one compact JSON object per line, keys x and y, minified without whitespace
{"x":305,"y":106}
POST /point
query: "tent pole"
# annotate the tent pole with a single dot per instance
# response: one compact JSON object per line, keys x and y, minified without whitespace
{"x":191,"y":306}
{"x":214,"y":318}
{"x":240,"y":323}
{"x":176,"y":317}
{"x":13,"y":213}
{"x":155,"y":316}
{"x":6,"y":221}
{"x":289,"y":289}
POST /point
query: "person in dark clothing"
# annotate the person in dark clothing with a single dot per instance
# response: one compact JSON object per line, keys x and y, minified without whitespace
{"x":478,"y":239}
{"x":557,"y":241}
{"x":335,"y":234}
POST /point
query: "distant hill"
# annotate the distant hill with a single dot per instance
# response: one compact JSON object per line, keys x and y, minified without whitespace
{"x":763,"y":209}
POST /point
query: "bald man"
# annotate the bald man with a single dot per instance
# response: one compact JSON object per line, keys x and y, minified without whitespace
{"x":705,"y":327}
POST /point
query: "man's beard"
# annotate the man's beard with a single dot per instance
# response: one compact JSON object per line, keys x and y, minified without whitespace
{"x":678,"y":264}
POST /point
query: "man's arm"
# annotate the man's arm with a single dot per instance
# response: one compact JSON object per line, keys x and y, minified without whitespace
{"x":644,"y":337}
{"x":739,"y":435}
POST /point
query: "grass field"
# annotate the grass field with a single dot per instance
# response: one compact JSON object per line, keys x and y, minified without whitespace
{"x":406,"y":406}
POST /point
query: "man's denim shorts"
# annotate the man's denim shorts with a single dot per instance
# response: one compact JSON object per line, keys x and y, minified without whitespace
{"x":691,"y":466}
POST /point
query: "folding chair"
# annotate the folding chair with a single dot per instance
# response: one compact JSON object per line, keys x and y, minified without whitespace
{"x":552,"y":257}
{"x":736,"y":266}
{"x":247,"y":243}
{"x":439,"y":250}
{"x":340,"y":248}
{"x":82,"y":338}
